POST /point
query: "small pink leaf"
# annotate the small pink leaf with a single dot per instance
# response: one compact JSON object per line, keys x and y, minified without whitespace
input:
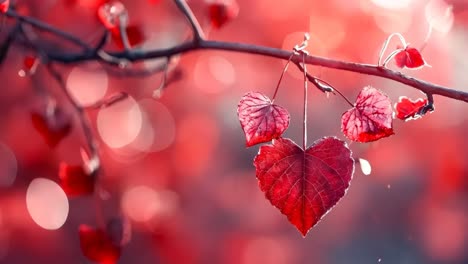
{"x":406,"y":109}
{"x":260,"y":119}
{"x":371,"y":117}
{"x":410,"y":58}
{"x":304,"y":185}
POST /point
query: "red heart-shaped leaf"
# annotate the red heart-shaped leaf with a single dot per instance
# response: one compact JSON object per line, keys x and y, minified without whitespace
{"x":260,"y":119}
{"x":410,"y":58}
{"x":371,"y":117}
{"x":53,"y":126}
{"x":97,"y":246}
{"x":406,"y":109}
{"x":304,"y":185}
{"x":75,"y":180}
{"x":4,"y":5}
{"x":222,"y":12}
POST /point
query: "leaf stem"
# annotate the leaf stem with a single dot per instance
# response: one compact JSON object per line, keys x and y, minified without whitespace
{"x":387,"y":41}
{"x":281,"y":77}
{"x":337,"y":91}
{"x":304,"y":129}
{"x":196,"y":28}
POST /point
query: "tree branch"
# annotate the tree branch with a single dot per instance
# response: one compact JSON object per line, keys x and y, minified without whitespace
{"x":196,"y":28}
{"x":201,"y":44}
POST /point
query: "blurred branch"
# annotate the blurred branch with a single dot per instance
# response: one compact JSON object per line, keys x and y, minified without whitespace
{"x":196,"y":28}
{"x":199,"y":43}
{"x":84,"y":122}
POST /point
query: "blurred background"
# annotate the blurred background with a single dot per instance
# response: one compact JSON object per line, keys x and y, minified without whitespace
{"x":177,"y":167}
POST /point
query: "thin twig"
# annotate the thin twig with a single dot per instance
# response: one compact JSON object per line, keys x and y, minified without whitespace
{"x":84,"y":122}
{"x":49,"y":28}
{"x":111,"y":100}
{"x":196,"y":28}
{"x":281,"y":77}
{"x":123,"y":33}
{"x":314,"y":81}
{"x":158,"y":92}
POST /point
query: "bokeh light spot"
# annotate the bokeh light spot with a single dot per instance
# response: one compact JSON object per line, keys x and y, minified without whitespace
{"x":142,"y":203}
{"x":365,"y":166}
{"x":158,"y":127}
{"x":222,"y":70}
{"x":392,"y":4}
{"x":119,"y":124}
{"x":440,"y":15}
{"x":87,"y":84}
{"x":47,"y":203}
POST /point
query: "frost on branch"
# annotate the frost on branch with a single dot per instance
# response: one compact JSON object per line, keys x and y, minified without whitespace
{"x":304,"y":185}
{"x":371,"y":117}
{"x":260,"y":119}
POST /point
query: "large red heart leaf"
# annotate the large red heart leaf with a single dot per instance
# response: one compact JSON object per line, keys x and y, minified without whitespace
{"x":304,"y":185}
{"x":410,"y":58}
{"x":97,"y":246}
{"x":371,"y":117}
{"x":260,"y":119}
{"x":406,"y":109}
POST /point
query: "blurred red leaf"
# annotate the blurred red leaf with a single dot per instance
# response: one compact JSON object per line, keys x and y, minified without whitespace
{"x":260,"y":119}
{"x":371,"y":117}
{"x":221,"y":13}
{"x":4,"y":5}
{"x":85,"y":3}
{"x":135,"y":36}
{"x":406,"y":109}
{"x":29,"y":62}
{"x":53,"y":126}
{"x":97,"y":246}
{"x":75,"y":180}
{"x":304,"y":185}
{"x":111,"y":13}
{"x":410,"y":58}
